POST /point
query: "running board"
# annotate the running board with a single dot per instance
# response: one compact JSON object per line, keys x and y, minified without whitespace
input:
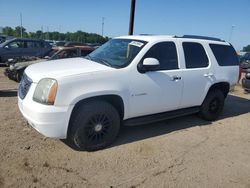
{"x":161,"y":116}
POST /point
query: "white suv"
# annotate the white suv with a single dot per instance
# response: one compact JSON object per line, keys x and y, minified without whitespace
{"x":130,"y":80}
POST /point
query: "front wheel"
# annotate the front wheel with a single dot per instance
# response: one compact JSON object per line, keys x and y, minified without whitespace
{"x":213,"y":105}
{"x":94,"y":126}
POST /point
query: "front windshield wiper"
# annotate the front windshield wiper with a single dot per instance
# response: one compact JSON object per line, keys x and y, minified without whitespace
{"x":88,"y":57}
{"x":102,"y":61}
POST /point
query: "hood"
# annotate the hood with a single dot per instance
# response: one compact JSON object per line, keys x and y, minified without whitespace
{"x":62,"y":68}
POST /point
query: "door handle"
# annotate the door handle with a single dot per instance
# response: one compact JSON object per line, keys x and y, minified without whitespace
{"x":208,"y":74}
{"x":175,"y":78}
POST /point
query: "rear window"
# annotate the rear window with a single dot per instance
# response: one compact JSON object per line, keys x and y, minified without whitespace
{"x":225,"y":55}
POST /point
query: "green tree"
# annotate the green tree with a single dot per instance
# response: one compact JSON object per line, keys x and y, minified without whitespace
{"x":8,"y":31}
{"x":78,"y":36}
{"x":246,"y":48}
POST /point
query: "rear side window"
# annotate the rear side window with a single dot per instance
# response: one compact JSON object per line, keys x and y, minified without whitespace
{"x":195,"y":55}
{"x":225,"y":55}
{"x":165,"y":53}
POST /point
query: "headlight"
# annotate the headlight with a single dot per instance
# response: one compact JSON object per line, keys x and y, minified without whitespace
{"x":46,"y":91}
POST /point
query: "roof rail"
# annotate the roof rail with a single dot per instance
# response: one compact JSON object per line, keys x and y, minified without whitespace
{"x":200,"y":37}
{"x":146,"y":34}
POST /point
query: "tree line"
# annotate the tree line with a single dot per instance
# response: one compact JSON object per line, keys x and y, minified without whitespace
{"x":78,"y":36}
{"x":246,"y":48}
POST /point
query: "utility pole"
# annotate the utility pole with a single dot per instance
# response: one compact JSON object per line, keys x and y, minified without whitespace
{"x":42,"y":32}
{"x":231,"y":33}
{"x":132,"y":16}
{"x":47,"y":33}
{"x":102,"y":25}
{"x":21,"y":19}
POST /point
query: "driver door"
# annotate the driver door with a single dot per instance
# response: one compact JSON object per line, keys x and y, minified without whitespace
{"x":159,"y":90}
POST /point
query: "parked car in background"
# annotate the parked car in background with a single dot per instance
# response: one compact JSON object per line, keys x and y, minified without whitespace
{"x":246,"y":81}
{"x":16,"y":48}
{"x":16,"y":69}
{"x":60,"y":43}
{"x":2,"y":39}
{"x":245,"y":61}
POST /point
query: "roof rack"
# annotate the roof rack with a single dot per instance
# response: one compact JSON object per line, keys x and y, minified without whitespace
{"x":200,"y":37}
{"x":146,"y":34}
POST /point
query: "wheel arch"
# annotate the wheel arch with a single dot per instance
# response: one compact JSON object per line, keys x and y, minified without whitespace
{"x":223,"y":86}
{"x":113,"y":99}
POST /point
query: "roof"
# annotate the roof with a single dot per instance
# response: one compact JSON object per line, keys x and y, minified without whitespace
{"x":151,"y":38}
{"x":146,"y":37}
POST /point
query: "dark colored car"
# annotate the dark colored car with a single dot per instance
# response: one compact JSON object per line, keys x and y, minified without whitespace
{"x":16,"y":48}
{"x":246,"y":81}
{"x":15,"y":71}
{"x":245,"y":61}
{"x":2,"y":39}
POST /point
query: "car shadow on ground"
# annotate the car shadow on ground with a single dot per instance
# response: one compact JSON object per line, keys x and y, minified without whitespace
{"x":234,"y":106}
{"x":8,"y":93}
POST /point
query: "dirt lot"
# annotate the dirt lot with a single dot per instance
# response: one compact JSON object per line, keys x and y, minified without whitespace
{"x":183,"y":152}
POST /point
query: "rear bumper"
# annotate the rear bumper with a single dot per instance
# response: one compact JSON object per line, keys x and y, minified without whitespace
{"x":246,"y":84}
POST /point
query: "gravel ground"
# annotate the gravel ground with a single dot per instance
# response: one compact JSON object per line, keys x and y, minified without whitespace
{"x":183,"y":152}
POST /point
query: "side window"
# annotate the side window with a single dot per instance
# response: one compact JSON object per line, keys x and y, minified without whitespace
{"x":225,"y":55}
{"x":166,"y":54}
{"x":15,"y":44}
{"x":41,"y":44}
{"x":30,"y":44}
{"x":195,"y":55}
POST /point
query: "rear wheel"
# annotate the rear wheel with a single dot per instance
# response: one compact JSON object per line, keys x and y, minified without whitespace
{"x":213,"y":105}
{"x":95,"y":125}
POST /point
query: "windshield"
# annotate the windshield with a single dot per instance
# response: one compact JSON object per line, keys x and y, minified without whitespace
{"x":117,"y":53}
{"x":3,"y":43}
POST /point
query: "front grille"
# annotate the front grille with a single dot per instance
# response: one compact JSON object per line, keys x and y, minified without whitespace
{"x":24,"y":86}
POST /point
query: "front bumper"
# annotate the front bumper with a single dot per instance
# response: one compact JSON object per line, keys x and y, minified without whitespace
{"x":50,"y":121}
{"x":246,"y":84}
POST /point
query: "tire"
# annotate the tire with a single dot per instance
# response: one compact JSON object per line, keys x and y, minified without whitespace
{"x":212,"y":106}
{"x":95,"y":125}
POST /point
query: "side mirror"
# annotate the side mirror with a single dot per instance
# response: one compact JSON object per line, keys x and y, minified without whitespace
{"x":148,"y":64}
{"x":7,"y":47}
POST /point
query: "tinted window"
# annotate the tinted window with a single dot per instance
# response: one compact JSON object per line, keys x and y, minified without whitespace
{"x":195,"y":55}
{"x":166,"y":54}
{"x":225,"y":55}
{"x":30,"y":44}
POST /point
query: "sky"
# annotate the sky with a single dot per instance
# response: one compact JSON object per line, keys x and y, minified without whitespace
{"x":215,"y":18}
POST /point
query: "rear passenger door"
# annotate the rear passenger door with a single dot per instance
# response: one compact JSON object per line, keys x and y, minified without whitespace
{"x":197,"y":73}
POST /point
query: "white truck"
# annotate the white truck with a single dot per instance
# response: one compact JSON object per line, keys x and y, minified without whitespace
{"x":129,"y":80}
